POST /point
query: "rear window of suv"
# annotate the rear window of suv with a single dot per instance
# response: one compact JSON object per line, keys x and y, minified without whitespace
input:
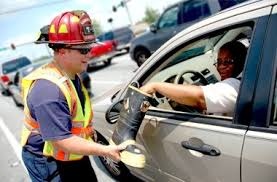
{"x":15,"y":64}
{"x":228,"y":3}
{"x":106,"y":36}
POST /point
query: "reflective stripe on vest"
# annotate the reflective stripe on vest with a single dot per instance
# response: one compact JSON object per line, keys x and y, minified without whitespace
{"x":81,"y":123}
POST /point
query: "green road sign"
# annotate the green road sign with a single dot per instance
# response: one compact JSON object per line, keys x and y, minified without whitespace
{"x":3,"y":48}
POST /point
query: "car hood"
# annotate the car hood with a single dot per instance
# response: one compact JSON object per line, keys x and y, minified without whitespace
{"x":103,"y":102}
{"x":141,"y":38}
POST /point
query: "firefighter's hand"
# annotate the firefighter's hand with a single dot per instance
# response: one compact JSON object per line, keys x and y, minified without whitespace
{"x":113,"y":151}
{"x":93,"y":135}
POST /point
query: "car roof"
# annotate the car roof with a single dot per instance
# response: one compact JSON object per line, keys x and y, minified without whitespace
{"x":174,"y":4}
{"x":246,"y":6}
{"x":10,"y":58}
{"x":32,"y":66}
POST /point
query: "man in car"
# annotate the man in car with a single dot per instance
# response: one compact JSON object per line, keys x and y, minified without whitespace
{"x":218,"y":98}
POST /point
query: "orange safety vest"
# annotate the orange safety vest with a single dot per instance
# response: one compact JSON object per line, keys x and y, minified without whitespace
{"x":81,"y":122}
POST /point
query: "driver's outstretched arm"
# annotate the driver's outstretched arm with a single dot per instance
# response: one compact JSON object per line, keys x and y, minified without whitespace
{"x":190,"y":95}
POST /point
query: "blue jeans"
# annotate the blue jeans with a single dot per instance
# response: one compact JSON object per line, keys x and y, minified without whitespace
{"x":43,"y":169}
{"x":40,"y":168}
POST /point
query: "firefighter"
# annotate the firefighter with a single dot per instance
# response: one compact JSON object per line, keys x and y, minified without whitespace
{"x":56,"y":136}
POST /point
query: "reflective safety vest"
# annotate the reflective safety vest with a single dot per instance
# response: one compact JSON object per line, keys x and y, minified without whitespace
{"x":81,"y":122}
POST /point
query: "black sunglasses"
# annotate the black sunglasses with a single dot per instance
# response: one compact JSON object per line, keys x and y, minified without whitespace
{"x":224,"y":62}
{"x":83,"y":51}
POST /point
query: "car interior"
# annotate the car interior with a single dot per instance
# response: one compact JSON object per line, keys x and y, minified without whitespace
{"x":194,"y":64}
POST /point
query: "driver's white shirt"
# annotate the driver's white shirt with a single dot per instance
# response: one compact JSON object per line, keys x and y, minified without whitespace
{"x":221,"y":97}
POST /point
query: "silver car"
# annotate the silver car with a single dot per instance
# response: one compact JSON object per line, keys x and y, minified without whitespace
{"x":242,"y":147}
{"x":15,"y":84}
{"x":8,"y":68}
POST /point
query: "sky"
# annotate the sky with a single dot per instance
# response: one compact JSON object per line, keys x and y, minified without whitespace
{"x":20,"y":23}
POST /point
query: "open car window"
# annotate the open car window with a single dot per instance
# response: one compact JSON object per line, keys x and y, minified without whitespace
{"x":194,"y":63}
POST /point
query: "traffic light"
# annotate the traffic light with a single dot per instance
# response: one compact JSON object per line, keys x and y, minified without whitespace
{"x":110,"y":20}
{"x":114,"y":9}
{"x":13,"y":46}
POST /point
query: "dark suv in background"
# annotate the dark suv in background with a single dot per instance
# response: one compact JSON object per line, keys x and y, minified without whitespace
{"x":121,"y":37}
{"x":174,"y":19}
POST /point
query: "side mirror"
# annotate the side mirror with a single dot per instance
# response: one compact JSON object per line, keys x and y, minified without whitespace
{"x":112,"y":113}
{"x":153,"y":28}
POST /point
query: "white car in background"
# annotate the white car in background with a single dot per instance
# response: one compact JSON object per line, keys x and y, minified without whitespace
{"x":8,"y":68}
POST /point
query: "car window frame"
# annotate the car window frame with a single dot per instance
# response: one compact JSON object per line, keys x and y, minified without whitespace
{"x":208,"y":119}
{"x":262,"y":108}
{"x":187,"y":3}
{"x":235,"y":121}
{"x":167,"y":10}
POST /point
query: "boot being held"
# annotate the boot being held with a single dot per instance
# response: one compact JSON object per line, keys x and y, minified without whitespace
{"x":135,"y":105}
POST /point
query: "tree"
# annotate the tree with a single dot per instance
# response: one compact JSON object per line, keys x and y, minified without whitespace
{"x":97,"y":27}
{"x":150,"y":15}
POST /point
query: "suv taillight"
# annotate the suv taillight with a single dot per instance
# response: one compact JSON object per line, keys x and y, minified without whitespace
{"x":5,"y":79}
{"x":115,"y":43}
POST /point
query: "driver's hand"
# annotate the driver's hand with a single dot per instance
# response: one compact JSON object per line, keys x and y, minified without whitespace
{"x":148,"y":88}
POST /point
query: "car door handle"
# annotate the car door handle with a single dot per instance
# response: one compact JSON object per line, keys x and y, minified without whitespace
{"x":203,"y":148}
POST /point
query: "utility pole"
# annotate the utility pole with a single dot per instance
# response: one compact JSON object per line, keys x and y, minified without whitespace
{"x":123,"y":3}
{"x":127,"y":10}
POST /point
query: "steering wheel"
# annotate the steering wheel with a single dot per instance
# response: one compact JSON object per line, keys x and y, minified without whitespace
{"x":198,"y":75}
{"x":178,"y":80}
{"x":163,"y":102}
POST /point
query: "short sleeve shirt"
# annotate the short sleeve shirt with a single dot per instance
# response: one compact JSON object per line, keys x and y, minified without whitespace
{"x":49,"y":108}
{"x":221,"y":97}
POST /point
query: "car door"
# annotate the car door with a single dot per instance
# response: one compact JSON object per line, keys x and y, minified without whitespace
{"x":166,"y":26}
{"x":259,"y":161}
{"x":194,"y":147}
{"x":15,"y":88}
{"x":194,"y":11}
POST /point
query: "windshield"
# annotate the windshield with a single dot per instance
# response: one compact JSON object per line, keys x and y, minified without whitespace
{"x":105,"y":36}
{"x":15,"y":64}
{"x":197,"y":48}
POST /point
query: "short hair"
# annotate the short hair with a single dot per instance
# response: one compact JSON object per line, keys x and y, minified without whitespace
{"x":56,"y":47}
{"x":238,"y":52}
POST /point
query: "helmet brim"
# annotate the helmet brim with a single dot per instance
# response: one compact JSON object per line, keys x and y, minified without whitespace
{"x":81,"y":45}
{"x":85,"y":46}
